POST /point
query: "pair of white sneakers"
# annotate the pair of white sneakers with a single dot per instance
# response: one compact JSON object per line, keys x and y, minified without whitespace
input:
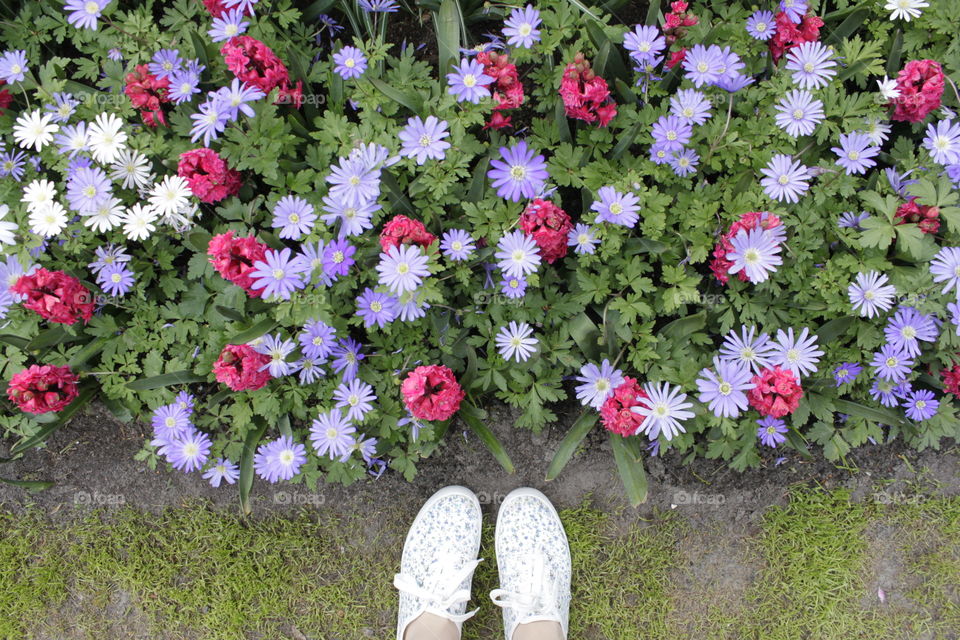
{"x":440,"y":556}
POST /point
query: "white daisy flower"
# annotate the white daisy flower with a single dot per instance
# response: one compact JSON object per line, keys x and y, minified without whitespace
{"x":38,"y":194}
{"x":106,"y":216}
{"x":107,"y":138}
{"x":7,"y":229}
{"x":170,"y":195}
{"x":888,"y":88}
{"x":133,"y":168}
{"x":138,"y":222}
{"x":48,"y":220}
{"x":34,"y":129}
{"x":905,"y":9}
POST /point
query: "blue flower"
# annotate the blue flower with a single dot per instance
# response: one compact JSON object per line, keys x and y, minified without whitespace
{"x":468,"y":82}
{"x":520,"y":28}
{"x":349,"y":63}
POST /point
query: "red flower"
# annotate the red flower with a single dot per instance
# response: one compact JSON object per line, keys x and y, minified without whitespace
{"x":507,"y":88}
{"x":789,"y":35}
{"x":776,"y":394}
{"x":584,"y":93}
{"x":675,"y":20}
{"x":256,"y":64}
{"x":5,"y":97}
{"x":676,"y":57}
{"x":217,"y":8}
{"x":147,"y":92}
{"x":402,"y":230}
{"x":241,"y":368}
{"x":748,"y":221}
{"x":432,"y":393}
{"x":951,"y":380}
{"x":549,"y":226}
{"x":233,"y":258}
{"x":56,"y":296}
{"x":615,"y":412}
{"x":921,"y":86}
{"x":208,"y":175}
{"x":42,"y":389}
{"x":926,"y":217}
{"x":498,"y":121}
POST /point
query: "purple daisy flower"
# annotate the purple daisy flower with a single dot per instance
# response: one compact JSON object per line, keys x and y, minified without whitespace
{"x":354,"y":182}
{"x":278,"y":275}
{"x":403,"y":268}
{"x":116,"y":279}
{"x":846,"y":372}
{"x":376,"y":308}
{"x":704,"y":65}
{"x":520,"y":29}
{"x":644,"y":43}
{"x":468,"y":82}
{"x":13,"y":66}
{"x":755,"y":353}
{"x":945,"y":268}
{"x":518,"y":254}
{"x":855,"y":153}
{"x":12,"y":164}
{"x":64,"y":105}
{"x":357,"y":397}
{"x":891,"y":363}
{"x":812,"y":65}
{"x":317,"y":339}
{"x":229,"y":24}
{"x":309,"y":370}
{"x":691,"y":106}
{"x":278,"y":349}
{"x":583,"y":239}
{"x":665,"y":408}
{"x":671,"y":133}
{"x":683,"y":162}
{"x":293,"y":216}
{"x":921,"y":405}
{"x":756,"y":253}
{"x":233,"y":99}
{"x":338,"y":258}
{"x":898,"y":181}
{"x":597,"y":383}
{"x":521,"y":173}
{"x":851,"y":220}
{"x":332,"y":434}
{"x":616,"y":208}
{"x":786,"y":179}
{"x":184,"y":84}
{"x":457,"y":245}
{"x":189,"y":452}
{"x":883,"y":391}
{"x":870,"y":295}
{"x":771,"y":431}
{"x":424,"y":139}
{"x":222,"y":470}
{"x":87,"y":188}
{"x":761,"y":25}
{"x":800,"y":355}
{"x":514,"y":287}
{"x":907,"y":327}
{"x":349,"y":63}
{"x":279,"y":460}
{"x":107,"y":256}
{"x":795,"y":9}
{"x":170,"y":422}
{"x":165,"y":62}
{"x":410,"y":307}
{"x":943,"y":142}
{"x":354,"y":220}
{"x":209,"y":122}
{"x":346,"y":358}
{"x":798,"y":113}
{"x":723,"y":390}
{"x":378,"y":6}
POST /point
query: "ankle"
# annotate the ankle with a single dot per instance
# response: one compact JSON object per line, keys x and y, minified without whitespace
{"x":431,"y":627}
{"x":539,"y":631}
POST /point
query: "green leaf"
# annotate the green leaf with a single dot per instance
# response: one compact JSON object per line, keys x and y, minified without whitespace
{"x":49,"y":337}
{"x":63,"y":417}
{"x":398,"y":199}
{"x":229,"y":314}
{"x":165,"y":380}
{"x":683,"y":327}
{"x":630,"y":466}
{"x":613,"y":65}
{"x":876,"y":414}
{"x":563,"y":126}
{"x":853,"y":22}
{"x":258,"y":330}
{"x":626,"y":139}
{"x":479,"y":182}
{"x":447,"y":21}
{"x":471,"y":416}
{"x":199,"y":48}
{"x":877,"y":232}
{"x":570,"y":442}
{"x":586,"y":334}
{"x":245,"y":482}
{"x":893,"y":58}
{"x":30,"y":485}
{"x":16,"y":341}
{"x":412,"y":101}
{"x":833,"y":329}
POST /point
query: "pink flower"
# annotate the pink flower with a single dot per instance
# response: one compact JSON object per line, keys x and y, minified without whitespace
{"x":233,"y":258}
{"x":920,"y":84}
{"x":208,"y":175}
{"x":776,"y":394}
{"x":241,"y":368}
{"x":403,"y":230}
{"x":432,"y":393}
{"x":549,"y":226}
{"x":616,"y":412}
{"x":56,"y":296}
{"x":42,"y":389}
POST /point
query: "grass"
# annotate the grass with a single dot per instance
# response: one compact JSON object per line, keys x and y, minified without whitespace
{"x":190,"y":572}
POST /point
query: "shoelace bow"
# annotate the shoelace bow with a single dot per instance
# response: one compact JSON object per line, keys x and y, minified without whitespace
{"x":441,"y":590}
{"x":537,"y":592}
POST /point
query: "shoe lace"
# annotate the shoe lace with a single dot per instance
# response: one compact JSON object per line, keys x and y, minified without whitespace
{"x":440,"y":589}
{"x":536,"y":594}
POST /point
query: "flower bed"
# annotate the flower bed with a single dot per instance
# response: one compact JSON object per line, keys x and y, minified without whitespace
{"x":300,"y":250}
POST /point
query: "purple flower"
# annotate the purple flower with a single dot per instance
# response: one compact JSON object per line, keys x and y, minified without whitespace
{"x":691,"y":106}
{"x":761,"y":25}
{"x":756,"y":253}
{"x":723,"y":390}
{"x":846,"y":373}
{"x":83,"y":14}
{"x":851,"y":220}
{"x":12,"y":164}
{"x":597,"y":383}
{"x":870,"y":294}
{"x":755,"y":353}
{"x":907,"y":327}
{"x":658,"y":154}
{"x":278,"y":275}
{"x":293,"y":216}
{"x":317,"y":339}
{"x":378,"y":6}
{"x":671,"y":133}
{"x":795,"y":9}
{"x":222,"y":470}
{"x":786,"y":179}
{"x":189,"y":452}
{"x":799,"y":113}
{"x":209,"y":122}
{"x":665,"y":408}
{"x":115,"y":55}
{"x":520,"y":174}
{"x":107,"y":256}
{"x":232,"y":100}
{"x":644,"y":43}
{"x":517,"y":254}
{"x":812,"y":65}
{"x":683,"y":162}
{"x":457,"y":245}
{"x":403,"y":268}
{"x":921,"y":405}
{"x":468,"y":82}
{"x":704,"y":65}
{"x":883,"y":392}
{"x":332,"y":434}
{"x":516,"y":342}
{"x":310,"y":259}
{"x":617,"y":208}
{"x":520,"y":28}
{"x":514,"y":287}
{"x":891,"y":363}
{"x":87,"y":188}
{"x":349,"y":63}
{"x":771,"y":431}
{"x":945,"y":267}
{"x":63,"y":107}
{"x":357,"y":398}
{"x":347,"y":357}
{"x":244,"y":6}
{"x":898,"y":182}
{"x":165,"y":62}
{"x":422,"y":140}
{"x":279,"y":349}
{"x":355,"y":183}
{"x":943,"y":142}
{"x":800,"y":355}
{"x":229,"y":24}
{"x":353,"y":220}
{"x":184,"y":85}
{"x":855,"y":153}
{"x":583,"y":239}
{"x":410,"y":308}
{"x":338,"y":258}
{"x":170,"y":422}
{"x":309,"y":370}
{"x":279,"y":460}
{"x":116,"y":279}
{"x":376,"y":308}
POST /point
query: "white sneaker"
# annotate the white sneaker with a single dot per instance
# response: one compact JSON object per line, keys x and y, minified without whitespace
{"x":533,"y":557}
{"x":439,"y":557}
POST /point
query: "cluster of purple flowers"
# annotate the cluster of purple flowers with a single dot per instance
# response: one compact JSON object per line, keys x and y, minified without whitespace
{"x":715,"y":66}
{"x":184,"y":446}
{"x":112,"y":270}
{"x":222,"y":107}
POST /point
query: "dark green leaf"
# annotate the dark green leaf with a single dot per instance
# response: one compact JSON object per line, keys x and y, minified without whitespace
{"x":570,"y":442}
{"x":165,"y":380}
{"x":876,"y":414}
{"x":30,"y":485}
{"x":258,"y":330}
{"x":630,"y":466}
{"x":250,"y":443}
{"x":411,"y":101}
{"x":16,"y":341}
{"x":833,"y":329}
{"x":470,"y":415}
